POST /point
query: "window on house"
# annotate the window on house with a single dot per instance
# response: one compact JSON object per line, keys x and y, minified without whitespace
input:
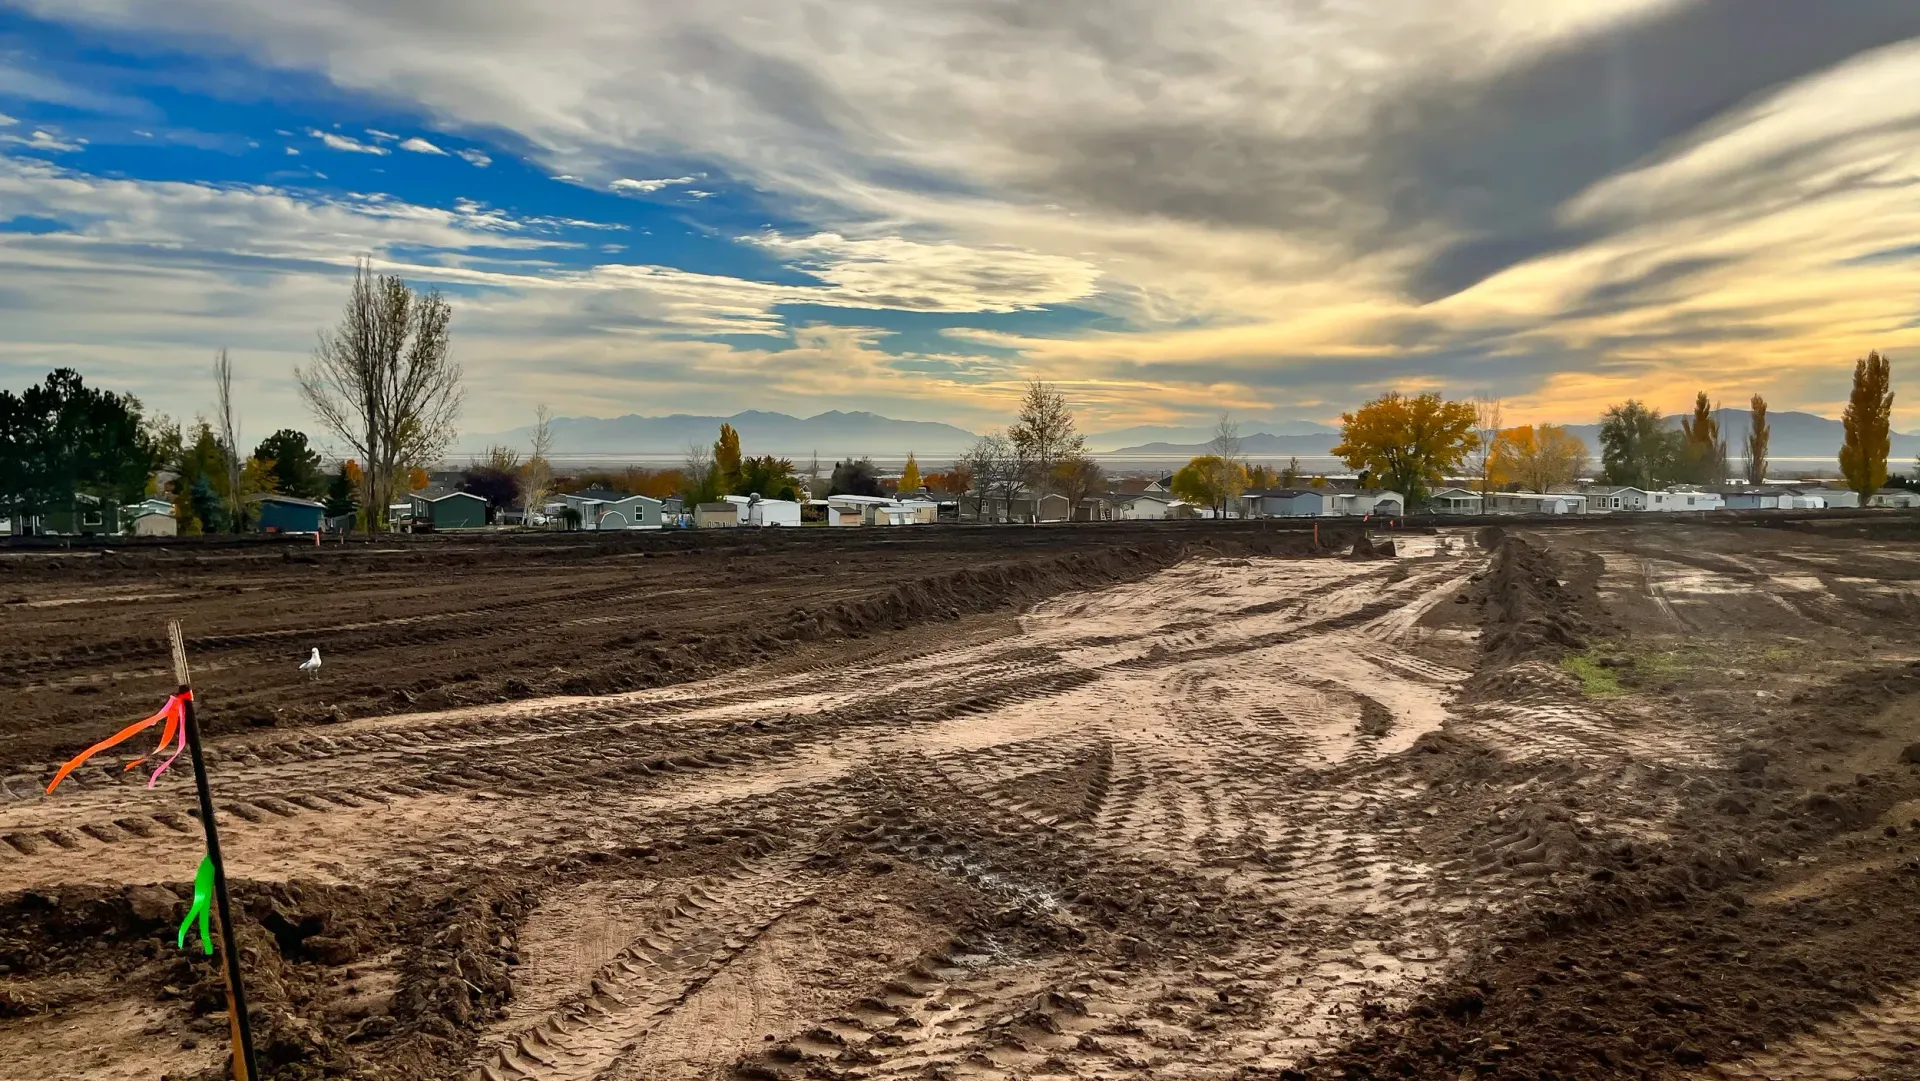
{"x":91,"y":517}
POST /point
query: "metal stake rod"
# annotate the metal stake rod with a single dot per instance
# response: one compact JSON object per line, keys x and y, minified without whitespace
{"x":243,"y":1067}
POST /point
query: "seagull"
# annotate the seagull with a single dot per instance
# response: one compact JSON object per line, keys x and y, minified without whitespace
{"x":312,"y":664}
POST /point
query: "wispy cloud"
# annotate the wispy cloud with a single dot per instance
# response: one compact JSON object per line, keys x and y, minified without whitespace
{"x":336,"y":141}
{"x":476,"y":158}
{"x":647,"y":187}
{"x":43,"y":140}
{"x":420,"y":146}
{"x":1266,"y":202}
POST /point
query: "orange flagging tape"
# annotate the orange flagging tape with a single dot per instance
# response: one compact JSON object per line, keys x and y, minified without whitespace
{"x":173,"y":713}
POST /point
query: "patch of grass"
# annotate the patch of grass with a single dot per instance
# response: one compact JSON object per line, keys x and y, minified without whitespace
{"x":1662,"y":666}
{"x":1596,"y":679}
{"x":1779,"y":656}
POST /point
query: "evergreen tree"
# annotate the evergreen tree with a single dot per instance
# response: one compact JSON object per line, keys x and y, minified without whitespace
{"x":340,"y":498}
{"x":296,"y":467}
{"x":208,"y":508}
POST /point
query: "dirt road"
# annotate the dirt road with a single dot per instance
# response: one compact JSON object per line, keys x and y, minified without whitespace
{"x":1612,"y":802}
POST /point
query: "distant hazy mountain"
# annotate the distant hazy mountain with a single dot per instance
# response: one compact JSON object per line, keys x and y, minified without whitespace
{"x":1130,"y":438}
{"x":1260,"y":444}
{"x":831,"y":434}
{"x":1795,"y":435}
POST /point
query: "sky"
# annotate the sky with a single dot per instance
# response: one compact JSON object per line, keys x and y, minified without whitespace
{"x":1277,"y":208}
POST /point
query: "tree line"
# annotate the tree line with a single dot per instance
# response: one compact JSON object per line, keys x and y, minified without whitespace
{"x":382,"y":384}
{"x":1411,"y":444}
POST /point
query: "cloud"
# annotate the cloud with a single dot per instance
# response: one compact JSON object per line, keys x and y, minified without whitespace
{"x":475,"y":158}
{"x":421,"y":146}
{"x":42,"y":140}
{"x":383,"y":136}
{"x":1287,"y":199}
{"x":647,"y":187}
{"x":341,"y":142}
{"x":893,"y":272}
{"x":7,"y":121}
{"x":163,"y":270}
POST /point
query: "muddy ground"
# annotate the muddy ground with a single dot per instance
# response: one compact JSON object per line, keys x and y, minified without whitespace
{"x":1594,"y":801}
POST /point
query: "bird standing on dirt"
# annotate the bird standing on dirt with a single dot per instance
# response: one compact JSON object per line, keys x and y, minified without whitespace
{"x":312,"y":664}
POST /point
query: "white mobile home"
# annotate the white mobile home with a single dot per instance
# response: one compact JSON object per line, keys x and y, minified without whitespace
{"x":1456,"y":501}
{"x":1606,"y":498}
{"x":1142,"y":506}
{"x":1535,"y":503}
{"x":756,"y":511}
{"x":1685,"y":499}
{"x":1366,"y":501}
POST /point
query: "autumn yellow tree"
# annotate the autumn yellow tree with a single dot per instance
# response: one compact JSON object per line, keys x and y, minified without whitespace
{"x":1262,"y":476}
{"x":1868,"y":422}
{"x":1408,"y":442}
{"x":417,"y":479}
{"x":1759,"y":437}
{"x":910,"y":476}
{"x":1536,"y":458}
{"x":1208,"y":480}
{"x":726,"y":457}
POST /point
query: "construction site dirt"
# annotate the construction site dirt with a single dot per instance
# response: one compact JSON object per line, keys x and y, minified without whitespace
{"x":1597,"y":800}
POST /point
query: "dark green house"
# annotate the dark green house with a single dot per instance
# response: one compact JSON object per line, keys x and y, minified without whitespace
{"x":86,"y":516}
{"x":288,"y":514}
{"x":447,"y":510}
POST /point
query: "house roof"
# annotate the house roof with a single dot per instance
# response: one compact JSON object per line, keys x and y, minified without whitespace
{"x":605,"y":495}
{"x":1284,"y":493}
{"x":430,"y":495}
{"x":1613,"y":489}
{"x":733,"y":507}
{"x":289,"y":500}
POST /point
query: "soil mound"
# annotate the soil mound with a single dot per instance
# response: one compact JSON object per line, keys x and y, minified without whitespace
{"x":1530,"y":614}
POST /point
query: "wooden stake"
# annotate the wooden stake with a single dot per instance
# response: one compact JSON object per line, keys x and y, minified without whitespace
{"x":242,"y":1026}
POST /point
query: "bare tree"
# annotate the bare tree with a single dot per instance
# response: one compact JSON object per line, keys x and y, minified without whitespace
{"x":813,"y":476}
{"x":383,"y":381}
{"x":227,"y":424}
{"x":697,"y":474}
{"x":990,"y":460}
{"x":539,"y":483}
{"x":1043,"y":436}
{"x":1080,"y":478}
{"x":1487,"y":427}
{"x":1230,"y":473}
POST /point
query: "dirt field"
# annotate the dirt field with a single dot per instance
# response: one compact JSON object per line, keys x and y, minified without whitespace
{"x":1198,"y":803}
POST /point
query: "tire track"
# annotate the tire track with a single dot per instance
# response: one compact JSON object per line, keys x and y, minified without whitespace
{"x":709,"y":926}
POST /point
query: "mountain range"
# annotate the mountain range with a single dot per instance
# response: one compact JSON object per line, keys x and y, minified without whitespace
{"x":1794,"y":435}
{"x":831,"y":435}
{"x":1148,"y":434}
{"x":837,"y":434}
